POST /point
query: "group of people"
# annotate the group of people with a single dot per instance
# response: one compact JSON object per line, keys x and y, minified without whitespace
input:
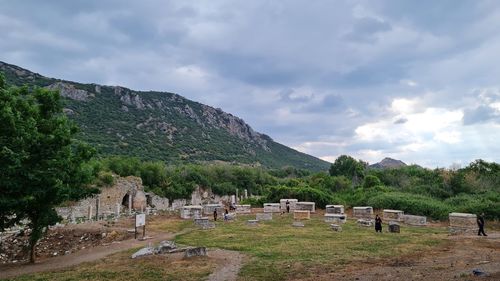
{"x":226,"y":214}
{"x":480,"y":224}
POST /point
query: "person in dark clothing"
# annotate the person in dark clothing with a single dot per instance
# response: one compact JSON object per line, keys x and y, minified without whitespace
{"x":480,"y":223}
{"x":226,"y":214}
{"x":287,"y":206}
{"x":215,"y":215}
{"x":378,"y":224}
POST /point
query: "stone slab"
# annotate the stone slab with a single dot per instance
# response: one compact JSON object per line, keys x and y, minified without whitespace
{"x":462,"y":223}
{"x":243,"y":209}
{"x":415,"y":220}
{"x":301,"y":215}
{"x":394,"y":227}
{"x":395,"y":215}
{"x":336,"y":227}
{"x":365,"y":222}
{"x":298,"y":224}
{"x":306,"y":206}
{"x":362,"y":212}
{"x":195,"y":252}
{"x":264,"y":216}
{"x":292,"y":204}
{"x":191,"y":211}
{"x":334,"y":209}
{"x":272,"y":208}
{"x":335,"y":218}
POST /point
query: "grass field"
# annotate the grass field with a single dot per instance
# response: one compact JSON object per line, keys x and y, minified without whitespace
{"x":275,"y":250}
{"x":279,"y":251}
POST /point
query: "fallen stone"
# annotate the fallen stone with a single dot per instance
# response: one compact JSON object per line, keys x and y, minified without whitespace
{"x":298,"y":224}
{"x":336,"y":227}
{"x":143,"y":252}
{"x":365,"y":222}
{"x":195,"y":252}
{"x":165,"y":247}
{"x":394,"y":227}
{"x":252,"y":222}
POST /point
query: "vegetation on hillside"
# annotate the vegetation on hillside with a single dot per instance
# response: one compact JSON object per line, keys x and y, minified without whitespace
{"x":413,"y":189}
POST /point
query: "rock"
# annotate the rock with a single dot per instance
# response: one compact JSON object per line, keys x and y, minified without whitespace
{"x":479,"y":272}
{"x":143,"y":252}
{"x":298,"y":224}
{"x":195,"y":252}
{"x":165,"y":247}
{"x":394,"y":227}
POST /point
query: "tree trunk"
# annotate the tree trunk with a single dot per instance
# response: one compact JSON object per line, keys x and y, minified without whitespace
{"x":36,"y":233}
{"x":32,"y":251}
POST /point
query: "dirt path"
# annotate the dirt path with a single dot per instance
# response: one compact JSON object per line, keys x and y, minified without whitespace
{"x":454,"y":261}
{"x":86,"y":255}
{"x":228,"y":265}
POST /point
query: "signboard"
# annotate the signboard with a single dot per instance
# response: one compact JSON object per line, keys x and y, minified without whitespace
{"x":140,"y":220}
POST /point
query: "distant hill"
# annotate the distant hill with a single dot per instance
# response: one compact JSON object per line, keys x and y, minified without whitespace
{"x":162,"y":126}
{"x":387,"y":163}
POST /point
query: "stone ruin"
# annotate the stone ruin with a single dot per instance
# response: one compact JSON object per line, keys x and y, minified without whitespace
{"x":394,"y":227}
{"x":292,"y":204}
{"x":191,"y":212}
{"x":306,"y":206}
{"x":252,"y":222}
{"x":208,"y":209}
{"x":264,"y":216}
{"x":335,"y":214}
{"x":243,"y":209}
{"x":415,"y":220}
{"x":393,"y":215}
{"x":463,"y":223}
{"x":301,"y":215}
{"x":362,"y":212}
{"x":336,"y":227}
{"x":272,"y":208}
{"x":334,"y":209}
{"x":169,"y":247}
{"x":204,"y":223}
{"x":126,"y":196}
{"x":335,"y":218}
{"x":365,"y":222}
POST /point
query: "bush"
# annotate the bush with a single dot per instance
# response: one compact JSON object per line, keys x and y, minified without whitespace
{"x":371,"y":181}
{"x":467,"y":203}
{"x":411,"y":204}
{"x":256,"y":202}
{"x":302,"y":193}
{"x":106,"y":178}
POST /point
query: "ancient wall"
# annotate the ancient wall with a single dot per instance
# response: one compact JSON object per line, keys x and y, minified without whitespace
{"x":306,"y":206}
{"x":362,"y":212}
{"x":463,"y":223}
{"x":292,"y":204}
{"x":334,"y":209}
{"x":272,"y":208}
{"x":393,"y":215}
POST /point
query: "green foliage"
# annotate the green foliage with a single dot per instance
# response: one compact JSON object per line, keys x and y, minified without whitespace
{"x":256,"y":202}
{"x":411,"y":204}
{"x":371,"y":181}
{"x":42,"y":165}
{"x":349,"y":167}
{"x":302,"y":193}
{"x":106,"y":179}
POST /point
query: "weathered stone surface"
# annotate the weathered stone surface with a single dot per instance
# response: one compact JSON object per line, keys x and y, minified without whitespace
{"x":272,"y":208}
{"x":158,"y":202}
{"x":415,"y":220}
{"x":394,"y":227}
{"x":264,"y":216}
{"x":292,"y":204}
{"x":69,"y":91}
{"x":195,"y":252}
{"x":301,"y":215}
{"x":362,"y":212}
{"x":336,"y":227}
{"x":143,"y":252}
{"x":335,"y":218}
{"x":204,"y":223}
{"x":191,"y":212}
{"x":298,"y":224}
{"x":252,"y":222}
{"x":394,"y":215}
{"x":139,"y":202}
{"x":208,"y":209}
{"x":365,"y":222}
{"x":243,"y":209}
{"x":334,"y":209}
{"x":463,"y":223}
{"x":306,"y":206}
{"x":165,"y":247}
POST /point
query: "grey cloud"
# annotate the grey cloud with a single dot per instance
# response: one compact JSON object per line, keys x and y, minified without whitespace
{"x":400,"y":121}
{"x":480,"y":114}
{"x":365,"y":29}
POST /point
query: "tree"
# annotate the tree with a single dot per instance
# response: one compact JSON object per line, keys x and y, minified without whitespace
{"x":349,"y":167}
{"x":41,"y":164}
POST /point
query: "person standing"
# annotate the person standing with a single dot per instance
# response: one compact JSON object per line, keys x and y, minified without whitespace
{"x":378,"y":224}
{"x":287,"y":206}
{"x":215,"y":214}
{"x":480,"y":223}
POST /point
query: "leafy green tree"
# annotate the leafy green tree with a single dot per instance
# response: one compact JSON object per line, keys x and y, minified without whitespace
{"x":371,"y":181}
{"x":41,"y":165}
{"x":349,"y":167}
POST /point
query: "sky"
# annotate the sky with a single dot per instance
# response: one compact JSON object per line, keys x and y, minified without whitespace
{"x":417,"y":81}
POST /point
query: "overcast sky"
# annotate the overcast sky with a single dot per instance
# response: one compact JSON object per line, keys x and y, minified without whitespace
{"x":417,"y":81}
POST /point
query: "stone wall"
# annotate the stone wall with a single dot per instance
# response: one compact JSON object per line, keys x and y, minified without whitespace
{"x":301,"y":215}
{"x":191,"y":212}
{"x":393,"y":215}
{"x":334,"y":209}
{"x":243,"y":209}
{"x":415,"y":220}
{"x":272,"y":208}
{"x":158,"y":202}
{"x":362,"y":212}
{"x":292,"y":204}
{"x":306,"y":206}
{"x":463,"y":223}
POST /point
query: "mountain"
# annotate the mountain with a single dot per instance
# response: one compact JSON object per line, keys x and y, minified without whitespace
{"x":387,"y":163}
{"x":161,"y":125}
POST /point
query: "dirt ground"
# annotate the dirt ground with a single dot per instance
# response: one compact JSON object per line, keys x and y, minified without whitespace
{"x":455,"y":260}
